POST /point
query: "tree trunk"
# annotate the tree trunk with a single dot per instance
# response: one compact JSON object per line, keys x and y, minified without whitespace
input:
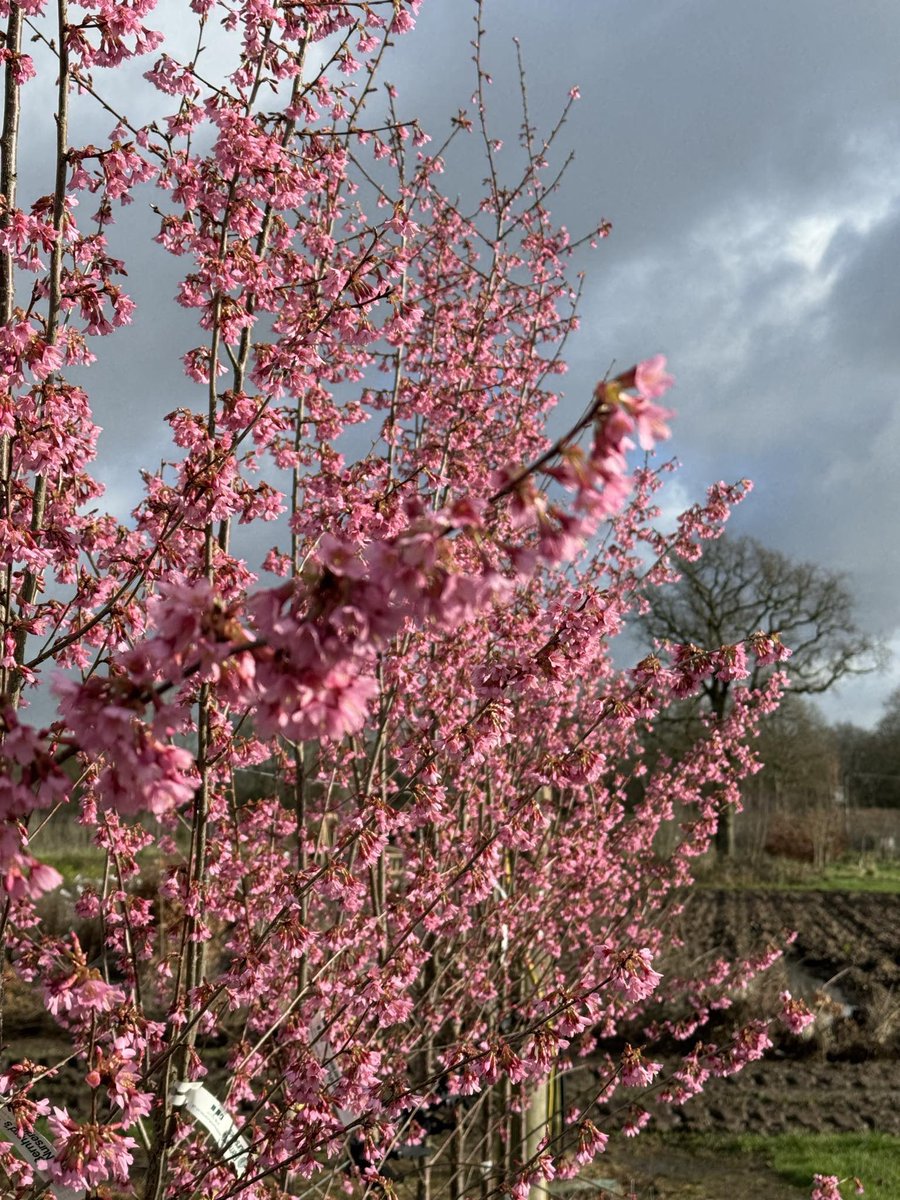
{"x":724,"y":842}
{"x":534,"y":1121}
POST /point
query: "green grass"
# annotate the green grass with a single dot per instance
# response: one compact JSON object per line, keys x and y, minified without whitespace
{"x":870,"y":877}
{"x":86,"y":862}
{"x":72,"y":861}
{"x":796,"y":1157}
{"x":850,"y":875}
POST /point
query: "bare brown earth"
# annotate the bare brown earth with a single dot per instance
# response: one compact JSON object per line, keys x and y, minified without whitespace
{"x":845,"y":961}
{"x":651,"y":1169}
{"x":844,"y":1078}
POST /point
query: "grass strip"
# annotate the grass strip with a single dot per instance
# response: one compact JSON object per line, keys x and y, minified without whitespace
{"x":797,"y":1157}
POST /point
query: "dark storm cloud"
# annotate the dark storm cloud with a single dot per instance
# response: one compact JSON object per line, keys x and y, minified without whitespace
{"x":748,"y":156}
{"x":686,"y":105}
{"x":864,"y":315}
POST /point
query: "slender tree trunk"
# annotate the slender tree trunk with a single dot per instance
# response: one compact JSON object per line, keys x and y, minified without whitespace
{"x":725,"y":840}
{"x":725,"y":831}
{"x":535,"y":1121}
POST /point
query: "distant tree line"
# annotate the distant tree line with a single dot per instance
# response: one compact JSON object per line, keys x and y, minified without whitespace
{"x":870,"y":759}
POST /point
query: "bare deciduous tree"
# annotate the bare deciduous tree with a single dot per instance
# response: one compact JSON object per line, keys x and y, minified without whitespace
{"x":739,"y":587}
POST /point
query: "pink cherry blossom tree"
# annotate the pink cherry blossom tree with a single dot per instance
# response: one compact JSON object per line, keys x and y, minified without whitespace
{"x":437,"y":894}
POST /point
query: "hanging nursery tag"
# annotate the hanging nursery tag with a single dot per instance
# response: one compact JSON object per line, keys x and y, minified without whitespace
{"x":205,"y":1108}
{"x":34,"y":1148}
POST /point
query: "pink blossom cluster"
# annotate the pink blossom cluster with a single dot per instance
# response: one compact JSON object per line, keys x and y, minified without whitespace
{"x":88,"y":1155}
{"x":795,"y":1013}
{"x":828,"y":1187}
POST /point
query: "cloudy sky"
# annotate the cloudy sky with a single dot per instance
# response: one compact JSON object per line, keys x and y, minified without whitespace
{"x":748,"y":156}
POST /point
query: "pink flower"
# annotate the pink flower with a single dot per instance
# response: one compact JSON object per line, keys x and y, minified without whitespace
{"x":768,"y":648}
{"x":651,"y":378}
{"x":82,"y":993}
{"x":649,"y":422}
{"x":117,"y":1070}
{"x":749,"y":1044}
{"x":591,"y":1142}
{"x":636,"y":1071}
{"x":826,"y":1187}
{"x":732,"y":662}
{"x":341,"y":557}
{"x":32,"y":881}
{"x":403,"y":21}
{"x":795,"y":1014}
{"x":632,"y":971}
{"x":87,"y":1155}
{"x":638,"y":1118}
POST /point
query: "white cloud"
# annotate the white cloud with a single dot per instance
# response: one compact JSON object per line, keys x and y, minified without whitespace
{"x":858,"y":700}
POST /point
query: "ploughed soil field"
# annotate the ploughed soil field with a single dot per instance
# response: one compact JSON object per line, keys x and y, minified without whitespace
{"x":845,"y":1077}
{"x":845,"y":962}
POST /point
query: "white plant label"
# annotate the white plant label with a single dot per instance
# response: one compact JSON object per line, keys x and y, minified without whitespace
{"x":34,"y":1148}
{"x":202,"y":1105}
